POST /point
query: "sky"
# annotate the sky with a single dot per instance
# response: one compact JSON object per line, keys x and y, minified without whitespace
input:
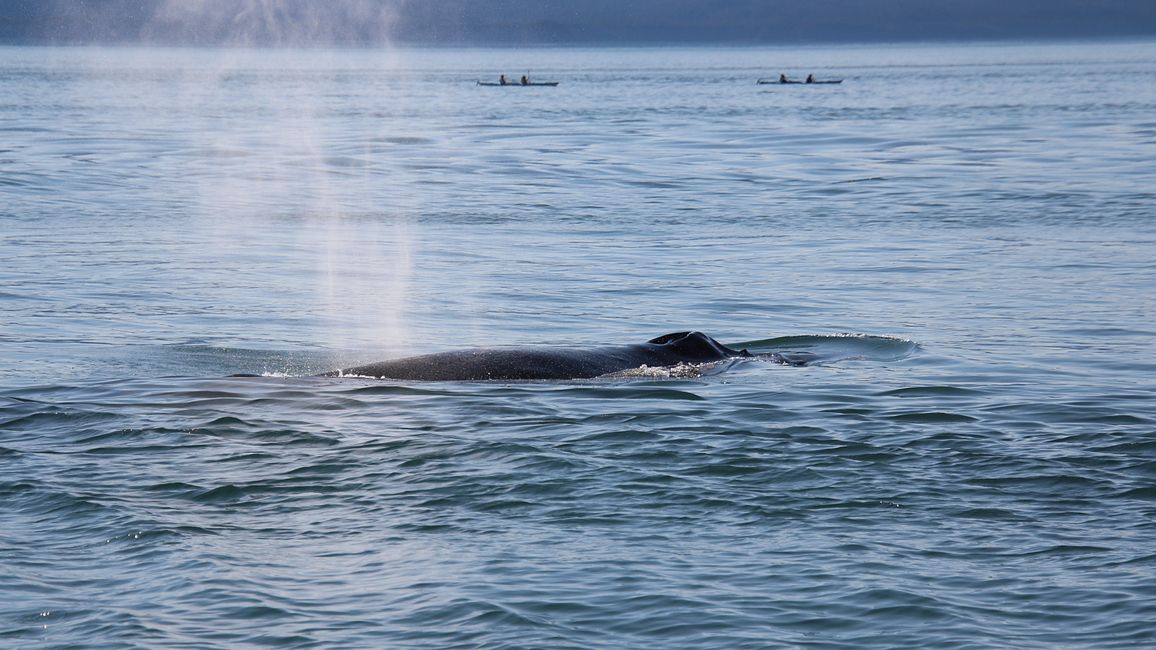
{"x":565,"y":22}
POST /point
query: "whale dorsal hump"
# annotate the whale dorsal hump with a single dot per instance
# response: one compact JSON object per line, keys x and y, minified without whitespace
{"x":673,"y":336}
{"x":695,"y":345}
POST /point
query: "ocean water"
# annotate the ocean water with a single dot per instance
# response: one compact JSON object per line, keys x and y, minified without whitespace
{"x":964,"y":236}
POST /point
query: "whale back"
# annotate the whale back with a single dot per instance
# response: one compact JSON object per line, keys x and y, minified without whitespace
{"x":548,"y":362}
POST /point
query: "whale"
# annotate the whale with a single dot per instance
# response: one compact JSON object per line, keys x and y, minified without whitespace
{"x":549,"y":362}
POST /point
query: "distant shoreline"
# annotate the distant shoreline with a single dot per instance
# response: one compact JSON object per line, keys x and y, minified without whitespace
{"x":418,"y":46}
{"x":533,"y":23}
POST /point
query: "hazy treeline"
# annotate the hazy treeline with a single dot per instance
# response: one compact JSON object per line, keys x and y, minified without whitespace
{"x":512,"y":22}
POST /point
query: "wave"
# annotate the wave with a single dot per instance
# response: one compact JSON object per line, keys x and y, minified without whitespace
{"x":827,"y":348}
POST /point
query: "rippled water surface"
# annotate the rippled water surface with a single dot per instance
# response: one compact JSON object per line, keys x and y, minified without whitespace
{"x":963,"y":236}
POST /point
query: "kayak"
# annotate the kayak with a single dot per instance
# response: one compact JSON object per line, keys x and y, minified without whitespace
{"x":764,"y":82}
{"x":515,"y":83}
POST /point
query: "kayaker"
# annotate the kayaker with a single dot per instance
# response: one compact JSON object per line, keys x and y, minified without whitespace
{"x":502,"y":80}
{"x":810,"y":78}
{"x":782,"y":78}
{"x":525,"y":80}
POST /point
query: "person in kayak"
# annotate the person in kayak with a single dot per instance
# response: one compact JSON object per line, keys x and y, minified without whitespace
{"x":810,"y":78}
{"x":502,"y":80}
{"x":782,"y":78}
{"x":525,"y":80}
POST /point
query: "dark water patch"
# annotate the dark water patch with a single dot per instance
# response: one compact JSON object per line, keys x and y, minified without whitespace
{"x":8,"y":295}
{"x":1146,"y":493}
{"x":405,"y":140}
{"x":1129,"y":449}
{"x":432,"y":528}
{"x":204,"y":395}
{"x":1148,"y":559}
{"x":47,"y":501}
{"x":1065,"y":483}
{"x":932,"y":391}
{"x":26,"y":129}
{"x":178,"y":487}
{"x":348,"y":162}
{"x":1060,"y":550}
{"x":990,"y":514}
{"x":322,"y":470}
{"x":13,"y":489}
{"x":56,"y":419}
{"x":1143,"y":468}
{"x":932,"y":417}
{"x":1114,"y":419}
{"x":1054,"y":413}
{"x":226,"y":422}
{"x":729,"y":468}
{"x":388,"y":388}
{"x":506,"y":505}
{"x":133,"y":451}
{"x":858,"y":413}
{"x":1109,"y":332}
{"x":328,"y":403}
{"x":130,"y":440}
{"x":263,"y":493}
{"x":258,"y":613}
{"x":634,"y":392}
{"x":633,"y":437}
